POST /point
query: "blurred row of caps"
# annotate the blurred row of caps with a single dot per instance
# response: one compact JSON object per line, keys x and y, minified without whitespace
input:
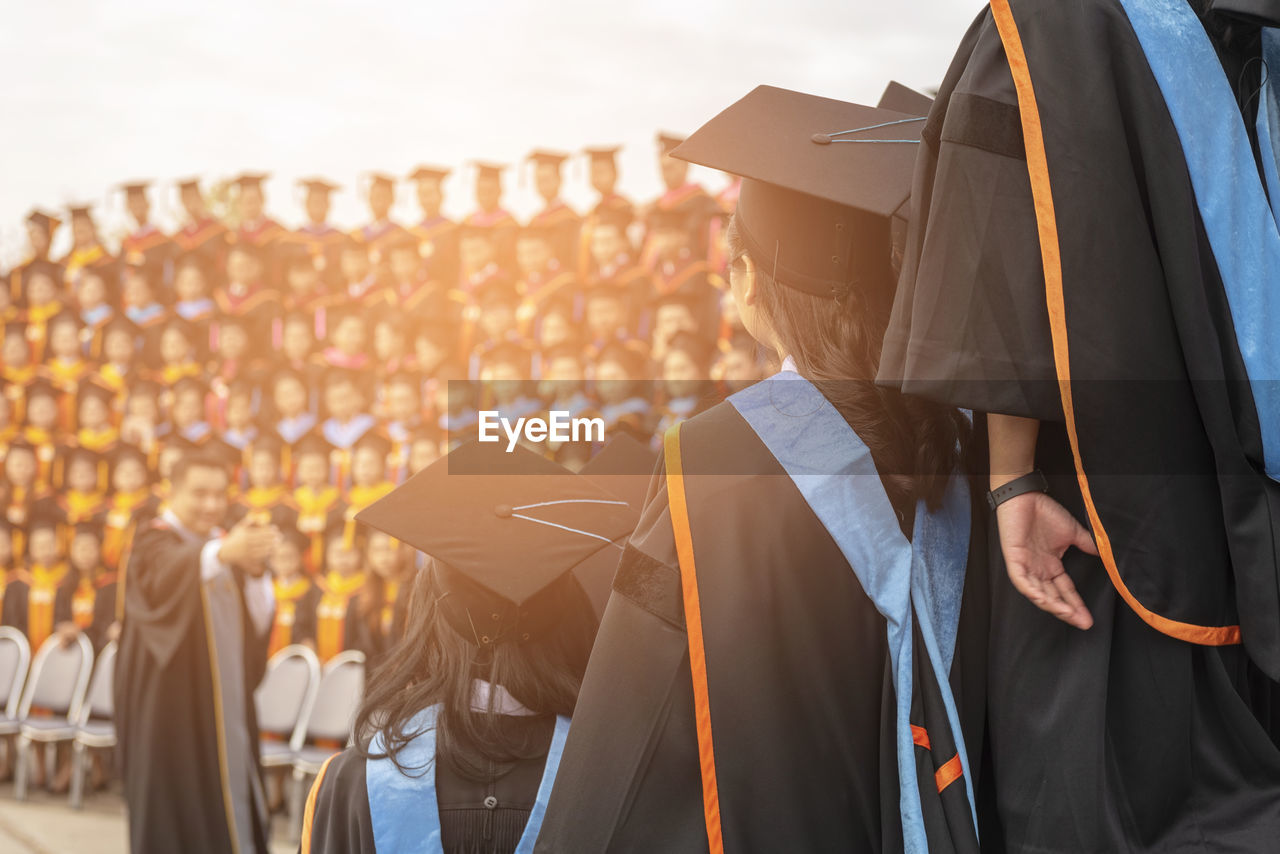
{"x":896,"y":98}
{"x":539,"y":158}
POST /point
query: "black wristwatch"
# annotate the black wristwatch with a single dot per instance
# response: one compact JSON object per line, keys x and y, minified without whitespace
{"x":1034,"y":482}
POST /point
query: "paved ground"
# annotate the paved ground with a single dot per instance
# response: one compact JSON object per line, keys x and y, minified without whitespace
{"x":45,"y":824}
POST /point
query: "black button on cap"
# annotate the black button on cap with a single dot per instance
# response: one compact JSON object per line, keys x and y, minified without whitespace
{"x":490,"y":802}
{"x":503,"y":511}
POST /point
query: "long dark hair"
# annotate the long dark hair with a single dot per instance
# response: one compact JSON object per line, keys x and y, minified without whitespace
{"x":836,"y":343}
{"x":433,"y":664}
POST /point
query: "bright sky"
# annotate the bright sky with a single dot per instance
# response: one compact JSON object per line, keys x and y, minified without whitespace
{"x":108,"y":92}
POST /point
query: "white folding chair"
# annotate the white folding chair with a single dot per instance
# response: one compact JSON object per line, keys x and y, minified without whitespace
{"x":59,"y":679}
{"x":94,"y":725}
{"x":15,"y":657}
{"x":283,"y":701}
{"x":331,"y":719}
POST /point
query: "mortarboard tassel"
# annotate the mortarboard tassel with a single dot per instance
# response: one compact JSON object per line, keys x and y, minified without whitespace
{"x":828,"y":138}
{"x":516,"y":515}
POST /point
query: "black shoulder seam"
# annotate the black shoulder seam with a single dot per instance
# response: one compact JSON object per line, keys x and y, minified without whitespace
{"x":651,"y":584}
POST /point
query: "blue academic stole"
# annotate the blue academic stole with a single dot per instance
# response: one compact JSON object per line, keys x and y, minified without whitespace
{"x":1240,"y":224}
{"x":918,"y":582}
{"x":404,"y":809}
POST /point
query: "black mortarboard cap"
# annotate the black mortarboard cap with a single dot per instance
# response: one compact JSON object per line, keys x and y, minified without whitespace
{"x":433,"y":173}
{"x":181,"y":324}
{"x":66,"y":316}
{"x":821,"y":179}
{"x":266,"y":442}
{"x":186,"y":384}
{"x":188,"y":183}
{"x":47,"y":221}
{"x":41,"y":385}
{"x":92,"y":386}
{"x":121,"y":322}
{"x":142,"y":386}
{"x":633,"y":354}
{"x":44,"y":268}
{"x":312,"y":442}
{"x":668,"y":141}
{"x":487,"y":168}
{"x":92,"y":527}
{"x":375,"y":440}
{"x":903,"y":99}
{"x":214,"y":448}
{"x":381,"y":178}
{"x":43,"y":515}
{"x":698,"y":348}
{"x":541,"y":156}
{"x":122,"y":451}
{"x":134,"y":188}
{"x":250,"y":179}
{"x":318,"y":185}
{"x":497,"y":289}
{"x":337,"y":374}
{"x":192,"y":258}
{"x":509,"y":352}
{"x":68,"y":454}
{"x":79,"y":210}
{"x":603,"y":152}
{"x":512,"y":523}
{"x":623,"y":467}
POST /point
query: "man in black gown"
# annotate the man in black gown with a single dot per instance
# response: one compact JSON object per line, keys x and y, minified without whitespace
{"x":193,"y":647}
{"x":1146,"y":719}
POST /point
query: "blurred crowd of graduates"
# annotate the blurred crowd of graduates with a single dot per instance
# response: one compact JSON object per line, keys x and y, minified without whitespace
{"x":326,"y":366}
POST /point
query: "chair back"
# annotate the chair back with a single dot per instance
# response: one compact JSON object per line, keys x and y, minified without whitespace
{"x":59,"y":676}
{"x":15,"y":658}
{"x":99,"y":702}
{"x":287,"y":690}
{"x":341,"y":689}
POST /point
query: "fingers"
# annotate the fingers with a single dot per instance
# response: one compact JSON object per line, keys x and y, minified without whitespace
{"x":1056,"y":595}
{"x":263,"y":541}
{"x":1079,"y":615}
{"x":1084,"y":541}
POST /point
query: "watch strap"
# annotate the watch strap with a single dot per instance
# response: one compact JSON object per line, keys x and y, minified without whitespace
{"x":1033,"y":482}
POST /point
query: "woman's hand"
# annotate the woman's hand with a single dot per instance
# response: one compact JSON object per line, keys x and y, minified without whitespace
{"x":1035,"y":532}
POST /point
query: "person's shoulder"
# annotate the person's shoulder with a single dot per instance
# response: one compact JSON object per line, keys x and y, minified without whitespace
{"x":154,"y":531}
{"x":338,"y":808}
{"x":344,"y":773}
{"x":720,"y":441}
{"x":1048,"y":15}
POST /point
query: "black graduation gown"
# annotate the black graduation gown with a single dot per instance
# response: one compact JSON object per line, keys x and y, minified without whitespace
{"x":801,"y":692}
{"x":167,"y":708}
{"x":1121,"y":737}
{"x":104,"y":611}
{"x":341,"y":821}
{"x":13,"y":612}
{"x":104,"y":606}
